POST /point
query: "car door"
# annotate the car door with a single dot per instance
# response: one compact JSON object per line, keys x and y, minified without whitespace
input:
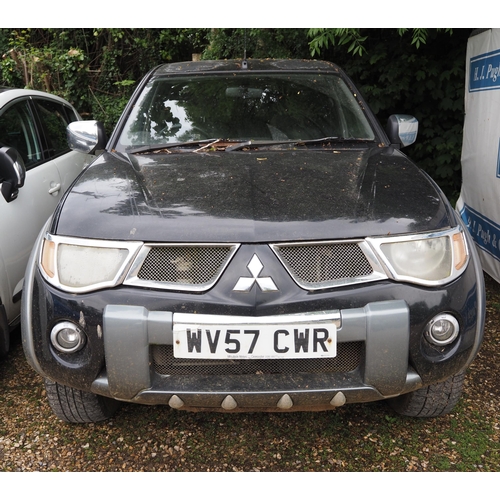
{"x":54,"y":117}
{"x":37,"y":130}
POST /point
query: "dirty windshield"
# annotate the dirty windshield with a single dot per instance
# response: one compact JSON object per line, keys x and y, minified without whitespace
{"x":249,"y":107}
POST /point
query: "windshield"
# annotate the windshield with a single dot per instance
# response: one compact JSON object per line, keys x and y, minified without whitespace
{"x":269,"y":107}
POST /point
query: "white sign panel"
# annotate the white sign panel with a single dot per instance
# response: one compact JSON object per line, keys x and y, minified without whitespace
{"x":479,"y":202}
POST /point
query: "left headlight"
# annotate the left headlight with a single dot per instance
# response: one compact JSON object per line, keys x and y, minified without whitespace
{"x":425,"y":259}
{"x":77,"y":265}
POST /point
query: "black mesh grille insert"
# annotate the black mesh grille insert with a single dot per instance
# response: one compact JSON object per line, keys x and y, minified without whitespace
{"x":349,"y":355}
{"x":324,"y":263}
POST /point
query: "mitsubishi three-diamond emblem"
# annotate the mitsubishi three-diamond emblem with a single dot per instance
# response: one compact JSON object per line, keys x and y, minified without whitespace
{"x":255,"y":266}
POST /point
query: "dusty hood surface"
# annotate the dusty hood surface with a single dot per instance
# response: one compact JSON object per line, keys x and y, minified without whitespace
{"x":251,"y":197}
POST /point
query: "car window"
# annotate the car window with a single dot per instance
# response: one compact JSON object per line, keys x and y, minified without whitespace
{"x":241,"y":107}
{"x":17,"y":130}
{"x":55,"y":117}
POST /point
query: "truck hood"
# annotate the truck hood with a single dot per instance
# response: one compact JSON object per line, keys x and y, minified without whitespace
{"x":244,"y":197}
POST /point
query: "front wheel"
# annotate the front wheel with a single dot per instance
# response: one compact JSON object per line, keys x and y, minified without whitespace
{"x":431,"y":401}
{"x":79,"y":407}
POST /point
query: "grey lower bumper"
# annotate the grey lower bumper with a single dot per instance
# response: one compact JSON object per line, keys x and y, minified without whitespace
{"x":130,"y":330}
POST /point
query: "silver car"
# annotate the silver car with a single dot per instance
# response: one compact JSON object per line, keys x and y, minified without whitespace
{"x":36,"y":168}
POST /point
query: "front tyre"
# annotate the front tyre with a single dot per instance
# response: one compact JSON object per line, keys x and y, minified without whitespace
{"x":431,"y":401}
{"x":78,"y":407}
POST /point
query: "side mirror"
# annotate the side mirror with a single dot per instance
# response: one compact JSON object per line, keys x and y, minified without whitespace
{"x":12,"y":173}
{"x":402,"y":130}
{"x":86,"y":136}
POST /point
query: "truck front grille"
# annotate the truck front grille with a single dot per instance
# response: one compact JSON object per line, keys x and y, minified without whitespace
{"x":196,"y":267}
{"x":180,"y":267}
{"x":328,"y":264}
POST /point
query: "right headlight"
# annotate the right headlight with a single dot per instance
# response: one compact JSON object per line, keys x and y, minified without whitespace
{"x":82,"y":265}
{"x":426,"y":259}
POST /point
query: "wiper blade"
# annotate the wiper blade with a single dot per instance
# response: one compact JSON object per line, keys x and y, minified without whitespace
{"x":158,"y":148}
{"x":257,"y":144}
{"x":336,"y":140}
{"x":229,"y":145}
{"x":321,"y":140}
{"x":293,"y":142}
{"x":207,"y":144}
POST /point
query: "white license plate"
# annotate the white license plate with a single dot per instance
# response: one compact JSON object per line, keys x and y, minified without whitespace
{"x":255,"y":341}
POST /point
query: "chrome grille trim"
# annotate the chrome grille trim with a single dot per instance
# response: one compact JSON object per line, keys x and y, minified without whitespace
{"x":329,"y":264}
{"x":180,"y":267}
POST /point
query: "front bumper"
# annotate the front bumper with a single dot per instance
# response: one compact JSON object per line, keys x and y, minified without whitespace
{"x":130,"y":330}
{"x":117,"y":361}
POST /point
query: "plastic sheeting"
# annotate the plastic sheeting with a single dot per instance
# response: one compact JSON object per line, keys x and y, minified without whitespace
{"x":479,"y":202}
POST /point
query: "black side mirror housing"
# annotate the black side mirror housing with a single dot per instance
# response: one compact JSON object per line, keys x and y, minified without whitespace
{"x":12,"y":173}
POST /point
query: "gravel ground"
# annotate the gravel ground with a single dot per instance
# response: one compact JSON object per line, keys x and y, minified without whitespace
{"x":352,"y":438}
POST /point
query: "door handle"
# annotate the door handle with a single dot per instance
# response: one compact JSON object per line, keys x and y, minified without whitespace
{"x":54,"y":188}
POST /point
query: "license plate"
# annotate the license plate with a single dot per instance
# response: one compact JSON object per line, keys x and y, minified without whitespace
{"x":255,"y":341}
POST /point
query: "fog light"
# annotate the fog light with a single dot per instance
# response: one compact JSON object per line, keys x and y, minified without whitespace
{"x":442,"y":330}
{"x":67,"y":337}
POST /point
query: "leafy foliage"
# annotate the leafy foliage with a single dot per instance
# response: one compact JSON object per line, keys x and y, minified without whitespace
{"x":321,"y":38}
{"x":257,"y":43}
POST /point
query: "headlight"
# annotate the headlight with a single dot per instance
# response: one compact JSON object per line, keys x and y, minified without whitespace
{"x":79,"y":265}
{"x":426,"y":259}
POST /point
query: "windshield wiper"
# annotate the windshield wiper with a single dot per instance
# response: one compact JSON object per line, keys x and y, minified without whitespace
{"x":229,"y":145}
{"x":257,"y":144}
{"x":336,"y":140}
{"x":213,"y":144}
{"x":294,"y":142}
{"x":158,"y":148}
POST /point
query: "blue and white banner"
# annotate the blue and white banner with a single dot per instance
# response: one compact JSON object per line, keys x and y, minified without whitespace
{"x":484,"y":72}
{"x":479,"y":202}
{"x":485,"y":232}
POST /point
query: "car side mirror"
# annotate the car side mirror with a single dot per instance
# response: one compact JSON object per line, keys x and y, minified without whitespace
{"x":402,"y":130}
{"x":86,"y":136}
{"x":12,"y":173}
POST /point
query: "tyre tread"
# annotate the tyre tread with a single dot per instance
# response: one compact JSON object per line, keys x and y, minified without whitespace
{"x":431,"y":401}
{"x":76,"y":406}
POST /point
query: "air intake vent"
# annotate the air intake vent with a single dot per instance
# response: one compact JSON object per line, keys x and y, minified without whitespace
{"x":349,"y":357}
{"x":180,"y":267}
{"x":325,"y":265}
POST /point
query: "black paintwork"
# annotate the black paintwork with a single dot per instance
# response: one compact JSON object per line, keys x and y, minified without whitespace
{"x":264,"y":195}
